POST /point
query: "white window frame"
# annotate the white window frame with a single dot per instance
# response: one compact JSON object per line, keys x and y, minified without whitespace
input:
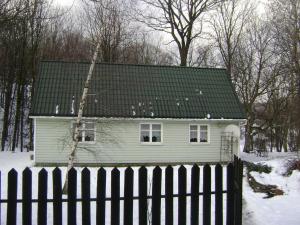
{"x":150,"y":134}
{"x":198,"y":134}
{"x":73,"y":123}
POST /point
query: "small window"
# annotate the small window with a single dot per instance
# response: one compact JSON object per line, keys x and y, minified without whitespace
{"x":87,"y":132}
{"x":199,"y":133}
{"x":151,"y":133}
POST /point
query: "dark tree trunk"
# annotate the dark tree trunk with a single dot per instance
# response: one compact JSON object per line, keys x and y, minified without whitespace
{"x":17,"y":117}
{"x":8,"y":94}
{"x":248,"y":138}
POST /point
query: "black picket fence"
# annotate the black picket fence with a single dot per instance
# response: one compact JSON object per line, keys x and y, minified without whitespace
{"x":233,"y":194}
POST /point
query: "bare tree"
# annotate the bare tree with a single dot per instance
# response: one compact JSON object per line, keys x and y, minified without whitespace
{"x":285,"y":20}
{"x":228,"y":24}
{"x":182,"y":19}
{"x":253,"y":64}
{"x":106,"y":22}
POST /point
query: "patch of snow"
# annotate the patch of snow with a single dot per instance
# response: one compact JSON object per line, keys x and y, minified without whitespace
{"x":56,"y":109}
{"x":277,"y":210}
{"x":73,"y":105}
{"x":21,"y":160}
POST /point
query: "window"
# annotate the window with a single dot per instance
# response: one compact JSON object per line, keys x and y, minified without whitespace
{"x":199,"y":133}
{"x":150,"y":133}
{"x":87,"y":131}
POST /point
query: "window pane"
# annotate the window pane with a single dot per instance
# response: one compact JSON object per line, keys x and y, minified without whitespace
{"x":89,"y":126}
{"x":89,"y":135}
{"x":145,"y":126}
{"x":193,"y":136}
{"x":156,"y":136}
{"x":145,"y":136}
{"x":194,"y":127}
{"x":203,"y":133}
{"x":156,"y":127}
{"x":203,"y":136}
{"x":203,"y":128}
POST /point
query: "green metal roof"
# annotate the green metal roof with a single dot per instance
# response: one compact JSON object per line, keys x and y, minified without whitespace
{"x":135,"y":91}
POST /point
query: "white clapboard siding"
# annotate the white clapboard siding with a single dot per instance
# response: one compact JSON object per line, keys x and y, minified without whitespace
{"x":118,"y":142}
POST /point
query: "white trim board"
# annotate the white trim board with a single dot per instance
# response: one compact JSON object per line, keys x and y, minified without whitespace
{"x":140,"y":118}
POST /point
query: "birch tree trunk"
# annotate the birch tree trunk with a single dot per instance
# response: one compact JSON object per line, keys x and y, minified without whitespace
{"x":75,"y":137}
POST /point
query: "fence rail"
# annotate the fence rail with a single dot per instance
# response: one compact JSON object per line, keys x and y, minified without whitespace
{"x":233,"y":194}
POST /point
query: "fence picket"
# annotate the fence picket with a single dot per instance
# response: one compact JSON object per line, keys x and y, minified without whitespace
{"x":57,"y":196}
{"x":195,"y":182}
{"x":169,"y":195}
{"x":182,"y":195}
{"x":0,"y":197}
{"x":42,"y":197}
{"x":218,"y":195}
{"x":143,"y":196}
{"x":233,"y":194}
{"x":230,"y":195}
{"x":72,"y":192}
{"x":206,"y":195}
{"x":86,"y":195}
{"x":128,"y":197}
{"x":238,"y":191}
{"x":101,"y":194}
{"x":12,"y":197}
{"x":115,"y":197}
{"x":156,"y":195}
{"x":27,"y":197}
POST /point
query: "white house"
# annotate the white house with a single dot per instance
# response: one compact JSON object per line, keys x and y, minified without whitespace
{"x":136,"y":114}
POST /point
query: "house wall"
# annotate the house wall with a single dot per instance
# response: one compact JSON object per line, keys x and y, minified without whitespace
{"x":119,"y":142}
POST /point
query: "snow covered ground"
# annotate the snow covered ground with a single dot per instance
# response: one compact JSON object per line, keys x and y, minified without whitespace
{"x":19,"y":161}
{"x":278,"y":210}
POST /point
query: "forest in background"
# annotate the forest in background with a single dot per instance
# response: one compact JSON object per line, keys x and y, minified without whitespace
{"x":259,"y":49}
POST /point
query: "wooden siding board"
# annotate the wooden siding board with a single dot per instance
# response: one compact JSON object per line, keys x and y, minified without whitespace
{"x":51,"y":135}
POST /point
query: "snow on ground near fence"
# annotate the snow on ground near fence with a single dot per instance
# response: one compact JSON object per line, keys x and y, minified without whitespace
{"x":278,"y":210}
{"x":20,"y":161}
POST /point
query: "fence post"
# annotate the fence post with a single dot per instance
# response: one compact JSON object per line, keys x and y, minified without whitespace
{"x":57,"y":196}
{"x":86,"y":195}
{"x":169,"y":196}
{"x":143,"y":196}
{"x":128,"y":197}
{"x":0,"y":197}
{"x":156,"y":195}
{"x":101,"y":194}
{"x":207,"y":195}
{"x":218,"y":195}
{"x":182,"y":195}
{"x":27,"y":197}
{"x":195,"y":182}
{"x":12,"y":197}
{"x":115,"y":197}
{"x":72,"y":192}
{"x":230,"y":195}
{"x":42,"y":197}
{"x":239,"y":191}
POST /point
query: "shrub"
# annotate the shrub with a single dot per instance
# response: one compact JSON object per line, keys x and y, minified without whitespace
{"x":260,"y":168}
{"x":292,"y":165}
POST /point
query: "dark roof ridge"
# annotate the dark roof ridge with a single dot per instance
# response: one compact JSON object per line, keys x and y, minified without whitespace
{"x":131,"y":64}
